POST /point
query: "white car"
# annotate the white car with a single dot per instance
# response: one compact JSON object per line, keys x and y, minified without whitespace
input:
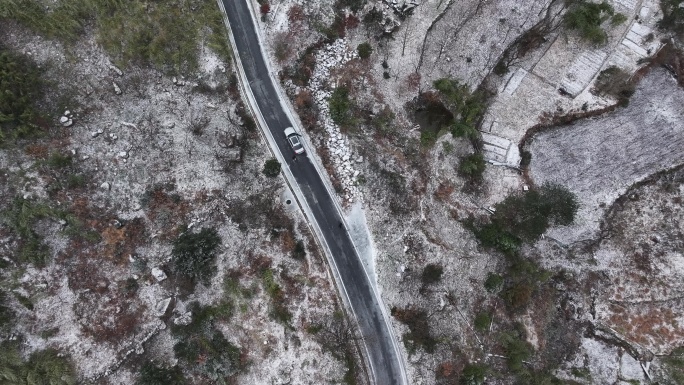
{"x":294,"y":140}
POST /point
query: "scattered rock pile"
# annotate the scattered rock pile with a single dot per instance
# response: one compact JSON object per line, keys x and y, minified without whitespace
{"x":66,"y":120}
{"x":333,"y":56}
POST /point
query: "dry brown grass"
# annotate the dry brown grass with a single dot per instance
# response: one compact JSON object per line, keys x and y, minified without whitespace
{"x":108,"y":318}
{"x":355,"y":75}
{"x":38,"y":151}
{"x":649,"y":325}
{"x":258,"y":263}
{"x":121,"y":242}
{"x":166,"y":211}
{"x":288,"y":242}
{"x":444,"y":191}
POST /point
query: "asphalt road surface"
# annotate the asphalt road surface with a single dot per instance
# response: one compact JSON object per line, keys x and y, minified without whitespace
{"x":383,"y":356}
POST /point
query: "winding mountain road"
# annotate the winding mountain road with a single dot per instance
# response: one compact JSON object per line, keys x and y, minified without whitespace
{"x":386,"y":366}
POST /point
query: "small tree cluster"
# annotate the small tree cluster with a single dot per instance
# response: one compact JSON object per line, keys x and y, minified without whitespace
{"x":524,"y":217}
{"x":615,"y":82}
{"x":493,"y":282}
{"x":340,"y":105}
{"x":42,"y":367}
{"x":472,"y":166}
{"x":202,"y":348}
{"x":466,"y":106}
{"x":364,"y":50}
{"x":21,"y":87}
{"x":193,"y":254}
{"x":151,"y":374}
{"x":419,"y":328}
{"x":299,"y":251}
{"x":586,"y":18}
{"x":432,"y":273}
{"x":271,"y":168}
{"x":673,"y":17}
{"x":473,"y":374}
{"x":517,"y":349}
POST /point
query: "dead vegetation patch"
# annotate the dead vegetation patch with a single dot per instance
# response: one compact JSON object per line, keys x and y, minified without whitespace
{"x":122,"y":240}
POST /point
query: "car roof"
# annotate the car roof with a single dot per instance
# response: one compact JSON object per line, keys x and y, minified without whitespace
{"x":290,"y":131}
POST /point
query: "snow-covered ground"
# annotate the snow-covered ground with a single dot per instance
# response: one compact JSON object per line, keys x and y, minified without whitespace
{"x":599,"y":158}
{"x":161,"y":140}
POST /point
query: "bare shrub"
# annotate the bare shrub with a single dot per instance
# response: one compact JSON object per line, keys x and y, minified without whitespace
{"x":413,"y":81}
{"x":282,"y":49}
{"x":296,"y":17}
{"x":444,"y":191}
{"x":615,"y":82}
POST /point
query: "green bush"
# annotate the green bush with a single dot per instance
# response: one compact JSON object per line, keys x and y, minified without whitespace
{"x":586,"y":18}
{"x":21,"y":87}
{"x":48,"y":367}
{"x":271,"y":168}
{"x":193,"y":254}
{"x":516,"y":349}
{"x":501,"y":68}
{"x":130,"y":286}
{"x":151,"y":374}
{"x":428,"y":138}
{"x":472,"y":166}
{"x":617,"y":19}
{"x":340,"y":105}
{"x":473,"y":374}
{"x":493,"y":282}
{"x":57,"y":160}
{"x":279,"y":310}
{"x":382,"y":121}
{"x":372,"y":19}
{"x":203,"y":318}
{"x":299,"y":251}
{"x":525,"y":158}
{"x":202,"y":348}
{"x":75,"y":181}
{"x":495,"y":236}
{"x":432,"y":273}
{"x":24,"y":301}
{"x":364,"y":50}
{"x":482,"y":321}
